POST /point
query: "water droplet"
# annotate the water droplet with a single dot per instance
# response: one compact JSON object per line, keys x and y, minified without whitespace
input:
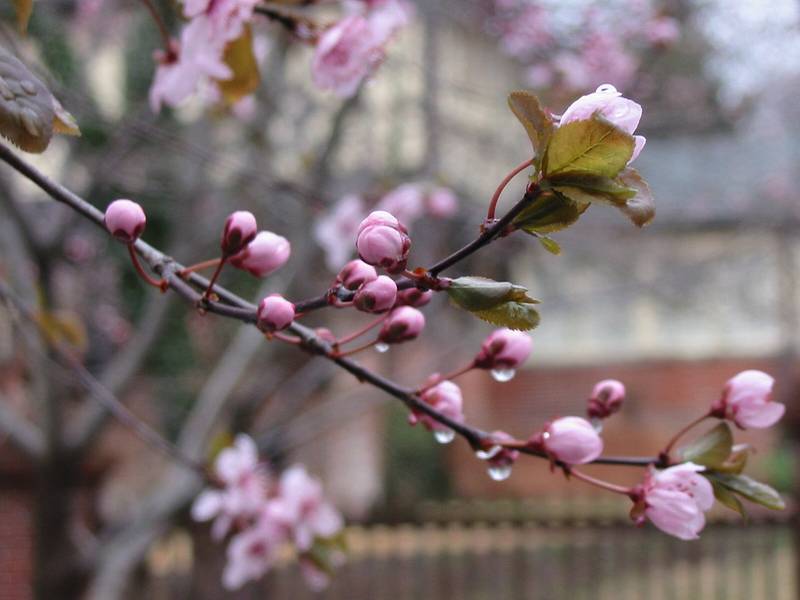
{"x":597,"y":424}
{"x":444,"y":436}
{"x":489,"y":453}
{"x":499,"y":472}
{"x":381,"y":347}
{"x":503,"y":375}
{"x":606,"y":88}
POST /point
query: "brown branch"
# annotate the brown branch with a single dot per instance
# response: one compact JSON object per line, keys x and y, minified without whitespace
{"x":232,"y":306}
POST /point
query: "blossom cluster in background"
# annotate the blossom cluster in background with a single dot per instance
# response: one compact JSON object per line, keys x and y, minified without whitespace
{"x":265,"y":513}
{"x":579,"y":45}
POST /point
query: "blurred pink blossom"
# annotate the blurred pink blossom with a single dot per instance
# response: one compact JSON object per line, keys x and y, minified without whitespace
{"x":747,"y":401}
{"x":335,"y":230}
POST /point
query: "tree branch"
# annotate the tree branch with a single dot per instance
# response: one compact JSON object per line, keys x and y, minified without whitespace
{"x":23,"y":434}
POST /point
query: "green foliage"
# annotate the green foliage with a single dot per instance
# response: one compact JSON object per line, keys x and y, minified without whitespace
{"x":595,"y":147}
{"x":748,"y":488}
{"x":498,"y":302}
{"x":711,"y":449}
{"x":551,"y":211}
{"x":537,"y":123}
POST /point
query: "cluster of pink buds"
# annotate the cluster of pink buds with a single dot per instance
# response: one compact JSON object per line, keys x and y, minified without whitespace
{"x":376,"y":296}
{"x":414,"y":297}
{"x":446,"y":398}
{"x":568,"y":440}
{"x":125,"y":220}
{"x":264,"y":513}
{"x":355,"y":274}
{"x":382,"y":241}
{"x":275,"y":313}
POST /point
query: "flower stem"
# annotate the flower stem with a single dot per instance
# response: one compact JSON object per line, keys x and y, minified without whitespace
{"x":158,"y":283}
{"x":162,"y":27}
{"x":214,"y":277}
{"x":682,"y":432}
{"x":451,"y":375}
{"x":357,"y":349}
{"x":285,"y":338}
{"x":617,"y":489}
{"x":206,"y":264}
{"x":513,"y":173}
{"x":359,"y":332}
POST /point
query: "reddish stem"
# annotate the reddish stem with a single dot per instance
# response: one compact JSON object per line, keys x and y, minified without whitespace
{"x":513,"y":173}
{"x":359,"y":332}
{"x":682,"y":432}
{"x":451,"y":375}
{"x":284,"y":338}
{"x":214,"y":277}
{"x":162,"y":27}
{"x":618,"y":489}
{"x":356,"y":350}
{"x":161,"y":284}
{"x":206,"y":264}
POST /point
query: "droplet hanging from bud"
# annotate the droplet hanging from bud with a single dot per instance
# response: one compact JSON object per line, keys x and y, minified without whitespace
{"x":499,"y":472}
{"x":503,"y":375}
{"x":597,"y":423}
{"x":488,"y":453}
{"x":444,"y":436}
{"x":381,"y":347}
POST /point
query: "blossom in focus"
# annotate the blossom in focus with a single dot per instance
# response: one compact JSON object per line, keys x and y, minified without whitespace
{"x":447,"y":399}
{"x":125,"y":220}
{"x":244,"y":484}
{"x":376,"y":296}
{"x":747,"y":401}
{"x":335,"y":230}
{"x":275,"y":313}
{"x":383,"y":241}
{"x":301,"y":506}
{"x":675,"y":500}
{"x":239,"y":230}
{"x":504,"y":349}
{"x":267,"y":253}
{"x":570,"y":440}
{"x":346,"y":53}
{"x":606,"y":399}
{"x":608,"y":103}
{"x":402,"y":325}
{"x":355,"y":274}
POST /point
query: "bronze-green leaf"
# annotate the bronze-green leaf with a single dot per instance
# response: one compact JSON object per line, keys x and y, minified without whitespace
{"x":536,"y":121}
{"x":728,"y":498}
{"x":749,"y":488}
{"x":549,"y":244}
{"x":711,"y":449}
{"x":498,"y":302}
{"x":514,"y":315}
{"x":24,"y":8}
{"x":26,"y":106}
{"x":613,"y":189}
{"x":641,"y":209}
{"x":593,"y":146}
{"x":239,"y":56}
{"x":551,"y":211}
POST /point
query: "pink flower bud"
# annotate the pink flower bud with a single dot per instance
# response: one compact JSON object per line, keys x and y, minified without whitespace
{"x":379,"y":217}
{"x":275,"y":313}
{"x":571,"y":440}
{"x":608,"y":103}
{"x":747,"y":401}
{"x":675,"y":500}
{"x":376,"y":296}
{"x":504,"y":349}
{"x":383,"y":246}
{"x":355,"y":274}
{"x":444,"y":397}
{"x":496,"y":455}
{"x":414,"y":297}
{"x":240,"y":229}
{"x":125,"y":220}
{"x":402,"y":324}
{"x":267,"y":253}
{"x":607,"y":397}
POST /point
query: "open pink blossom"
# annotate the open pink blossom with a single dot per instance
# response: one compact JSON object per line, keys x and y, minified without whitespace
{"x":346,"y":53}
{"x":387,"y":17}
{"x":125,"y":220}
{"x":571,"y":440}
{"x":252,"y":552}
{"x":608,"y":103}
{"x":301,"y":506}
{"x":747,"y":401}
{"x":267,"y":253}
{"x":447,"y":399}
{"x":675,"y":500}
{"x":504,"y":349}
{"x":244,"y":488}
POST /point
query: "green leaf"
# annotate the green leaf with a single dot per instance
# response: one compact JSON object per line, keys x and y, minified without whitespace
{"x":737,"y":460}
{"x":550,"y":245}
{"x":536,"y":121}
{"x":641,"y":209}
{"x":749,"y":488}
{"x":26,"y":106}
{"x":593,"y":146}
{"x":728,"y":498}
{"x":24,"y":9}
{"x":596,"y":184}
{"x":551,"y":211}
{"x":498,"y":302}
{"x":711,"y":449}
{"x":239,"y":56}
